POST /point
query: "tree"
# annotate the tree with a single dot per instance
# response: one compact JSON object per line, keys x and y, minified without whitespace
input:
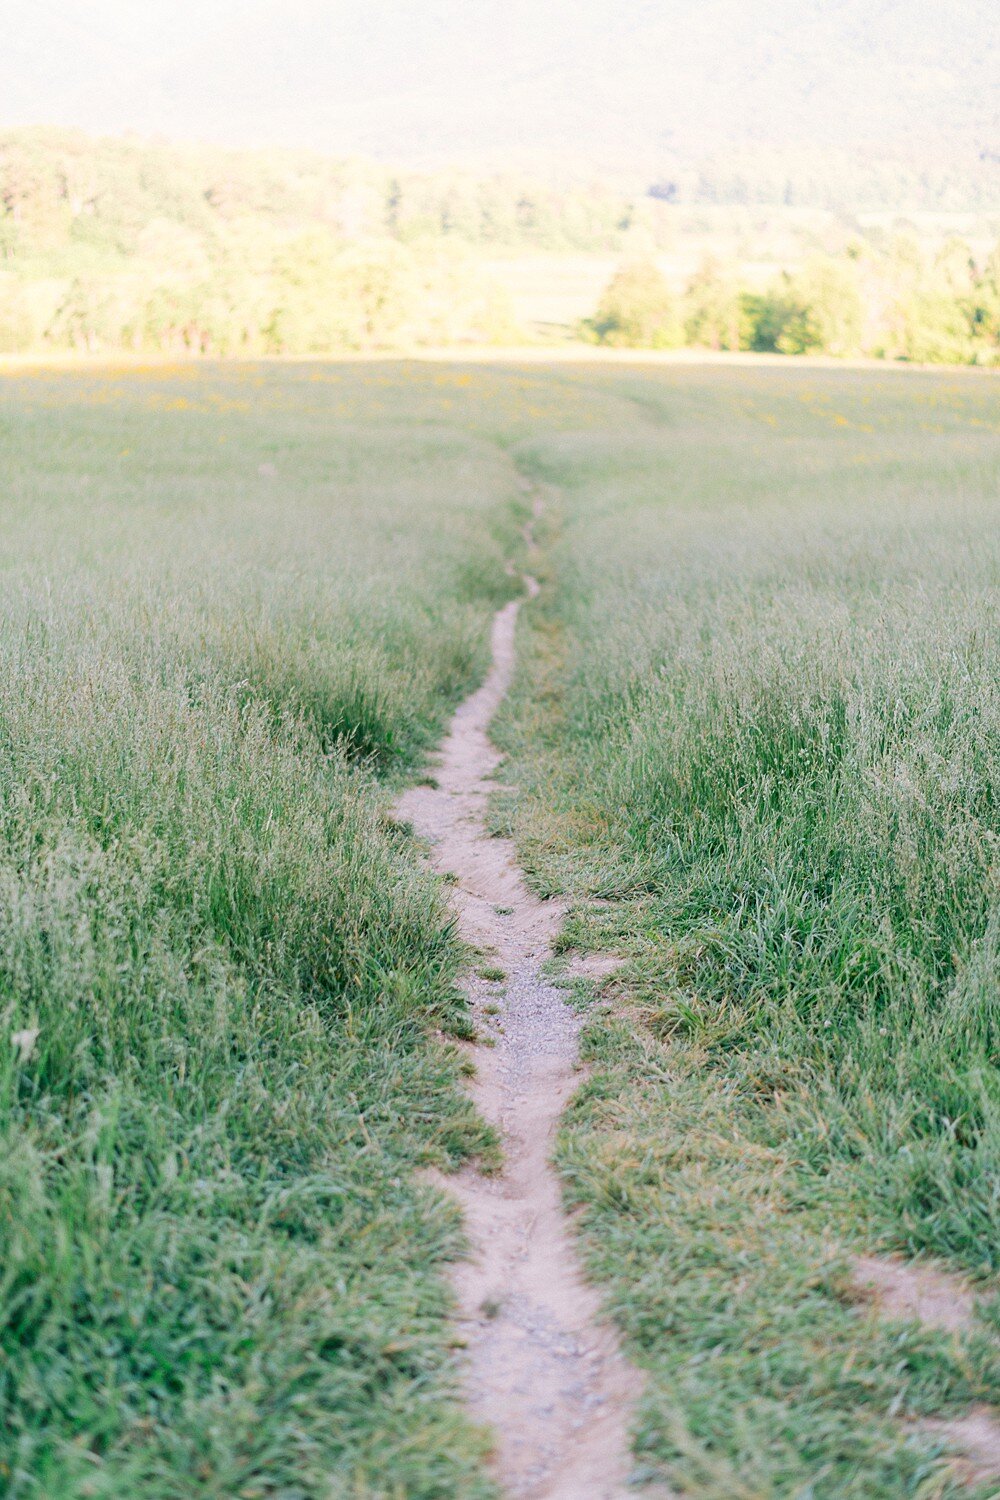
{"x":766,"y":315}
{"x":827,"y":314}
{"x":817,"y":310}
{"x":638,"y":310}
{"x":91,"y":316}
{"x":931,"y":305}
{"x":935,"y":328}
{"x":714,"y":314}
{"x":17,"y":330}
{"x":985,"y":309}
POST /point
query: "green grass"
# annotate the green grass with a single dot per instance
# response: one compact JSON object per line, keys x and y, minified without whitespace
{"x":236,"y":601}
{"x":754,"y":738}
{"x":756,"y":735}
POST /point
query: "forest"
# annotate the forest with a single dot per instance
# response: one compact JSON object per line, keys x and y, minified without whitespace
{"x":125,"y":244}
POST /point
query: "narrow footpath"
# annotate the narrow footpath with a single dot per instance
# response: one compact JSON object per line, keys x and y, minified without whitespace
{"x":544,"y":1371}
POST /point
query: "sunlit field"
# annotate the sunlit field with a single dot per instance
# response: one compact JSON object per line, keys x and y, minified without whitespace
{"x":233,"y":601}
{"x":758,"y":740}
{"x":754,"y":738}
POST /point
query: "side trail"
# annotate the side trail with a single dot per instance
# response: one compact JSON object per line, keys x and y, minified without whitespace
{"x":544,"y":1371}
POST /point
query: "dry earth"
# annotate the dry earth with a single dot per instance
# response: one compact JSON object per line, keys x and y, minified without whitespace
{"x":923,"y":1293}
{"x":544,"y":1371}
{"x":909,"y":1290}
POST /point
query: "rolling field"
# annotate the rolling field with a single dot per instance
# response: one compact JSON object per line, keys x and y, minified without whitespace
{"x":753,"y":740}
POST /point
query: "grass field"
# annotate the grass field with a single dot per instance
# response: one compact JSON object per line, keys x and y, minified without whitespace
{"x":755,"y":737}
{"x":234,"y":600}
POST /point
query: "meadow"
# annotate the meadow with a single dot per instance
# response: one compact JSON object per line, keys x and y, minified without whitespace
{"x":754,"y":739}
{"x":239,"y":605}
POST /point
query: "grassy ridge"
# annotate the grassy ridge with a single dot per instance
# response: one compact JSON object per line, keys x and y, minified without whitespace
{"x":233,"y":597}
{"x":757,"y":737}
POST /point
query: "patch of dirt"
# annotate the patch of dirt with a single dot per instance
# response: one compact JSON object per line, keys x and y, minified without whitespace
{"x":976,"y":1438}
{"x":939,"y":1299}
{"x":914,"y":1290}
{"x":544,"y":1371}
{"x":592,"y":965}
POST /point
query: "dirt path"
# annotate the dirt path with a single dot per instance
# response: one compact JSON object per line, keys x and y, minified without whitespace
{"x":544,"y":1372}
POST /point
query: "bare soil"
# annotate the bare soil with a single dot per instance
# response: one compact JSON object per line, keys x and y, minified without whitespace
{"x":905,"y":1289}
{"x":544,"y":1370}
{"x":976,"y":1437}
{"x":596,"y":966}
{"x":939,"y":1299}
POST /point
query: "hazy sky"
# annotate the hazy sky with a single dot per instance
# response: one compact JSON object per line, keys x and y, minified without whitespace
{"x":459,"y":77}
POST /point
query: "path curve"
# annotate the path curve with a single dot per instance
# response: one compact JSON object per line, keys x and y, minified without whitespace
{"x":544,"y":1370}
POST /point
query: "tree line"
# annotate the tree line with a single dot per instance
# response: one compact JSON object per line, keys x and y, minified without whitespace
{"x":126,"y":244}
{"x":890,"y":302}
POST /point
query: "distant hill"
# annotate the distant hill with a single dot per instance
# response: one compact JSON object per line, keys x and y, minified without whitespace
{"x":649,"y":90}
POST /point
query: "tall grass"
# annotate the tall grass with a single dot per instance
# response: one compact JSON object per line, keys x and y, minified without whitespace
{"x":761,"y":719}
{"x":234,"y":600}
